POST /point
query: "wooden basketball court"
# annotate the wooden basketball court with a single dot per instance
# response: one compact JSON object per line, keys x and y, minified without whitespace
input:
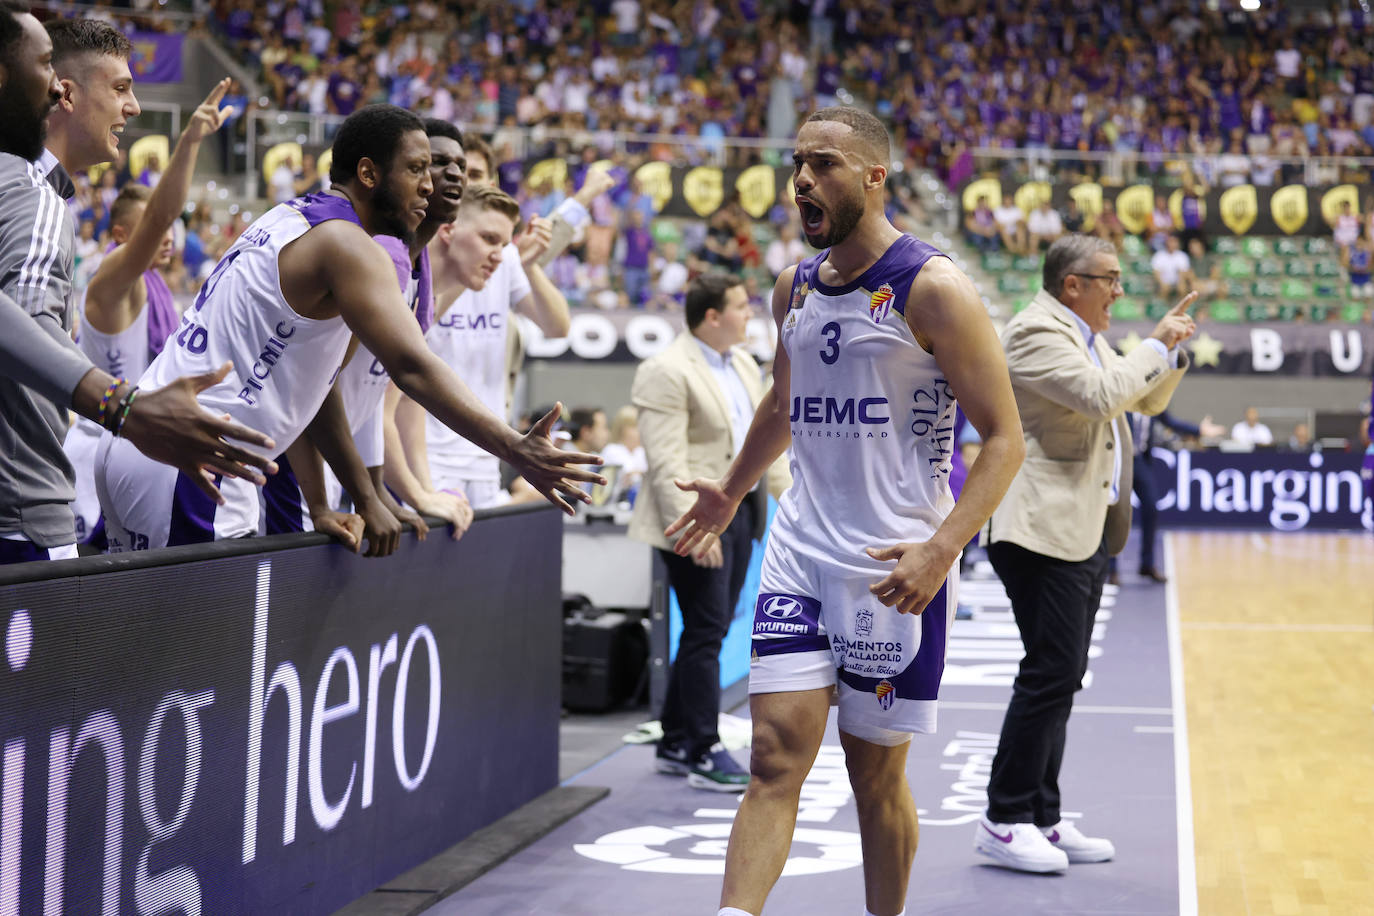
{"x":1277,"y":633}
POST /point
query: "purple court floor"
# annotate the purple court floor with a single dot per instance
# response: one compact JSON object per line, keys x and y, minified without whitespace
{"x":656,"y":846}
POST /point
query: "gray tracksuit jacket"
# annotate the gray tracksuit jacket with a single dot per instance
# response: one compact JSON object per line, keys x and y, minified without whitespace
{"x":37,"y":243}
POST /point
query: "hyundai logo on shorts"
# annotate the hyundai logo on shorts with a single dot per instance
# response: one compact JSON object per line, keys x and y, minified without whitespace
{"x":782,"y":608}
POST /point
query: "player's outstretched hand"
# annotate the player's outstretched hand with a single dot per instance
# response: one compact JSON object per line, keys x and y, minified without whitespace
{"x":381,"y":528}
{"x":344,"y":527}
{"x":921,"y":570}
{"x":169,"y":425}
{"x":706,"y":520}
{"x":550,"y":469}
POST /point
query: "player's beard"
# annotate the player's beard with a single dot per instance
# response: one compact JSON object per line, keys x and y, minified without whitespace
{"x":390,"y":214}
{"x":23,"y":129}
{"x":843,"y":216}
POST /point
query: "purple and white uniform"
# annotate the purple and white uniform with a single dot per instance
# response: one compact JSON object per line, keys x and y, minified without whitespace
{"x":284,"y":365}
{"x":872,"y":436}
{"x":362,"y":385}
{"x":123,"y":355}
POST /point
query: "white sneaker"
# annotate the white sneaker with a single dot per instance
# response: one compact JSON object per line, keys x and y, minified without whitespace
{"x":1019,"y":846}
{"x":1064,"y":835}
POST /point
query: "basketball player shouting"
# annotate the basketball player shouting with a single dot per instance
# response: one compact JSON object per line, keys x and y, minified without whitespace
{"x":878,"y":334}
{"x":284,"y":303}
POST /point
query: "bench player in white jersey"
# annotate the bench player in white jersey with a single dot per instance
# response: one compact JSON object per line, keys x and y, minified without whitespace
{"x":877,"y":336}
{"x":303,"y":493}
{"x":285,"y":301}
{"x":128,"y":310}
{"x":472,"y":333}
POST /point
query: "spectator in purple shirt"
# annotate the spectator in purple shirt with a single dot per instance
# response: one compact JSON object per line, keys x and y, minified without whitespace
{"x":639,"y":247}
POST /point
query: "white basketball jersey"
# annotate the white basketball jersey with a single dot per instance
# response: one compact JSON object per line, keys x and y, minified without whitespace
{"x":283,"y":363}
{"x":123,"y":355}
{"x":470,"y":336}
{"x":872,"y":418}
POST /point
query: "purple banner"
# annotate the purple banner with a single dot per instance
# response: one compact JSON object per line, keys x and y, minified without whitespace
{"x":156,"y":57}
{"x":1284,"y":491}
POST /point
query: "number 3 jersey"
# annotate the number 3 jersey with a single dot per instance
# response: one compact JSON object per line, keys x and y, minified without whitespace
{"x":872,"y":418}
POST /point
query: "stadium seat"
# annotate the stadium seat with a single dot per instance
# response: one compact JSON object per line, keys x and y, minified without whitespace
{"x":1324,"y":268}
{"x":1256,"y":248}
{"x":1027,"y":264}
{"x":1237,"y":268}
{"x":1224,"y":311}
{"x":1134,"y":247}
{"x":994,"y":262}
{"x":1155,"y":309}
{"x":1013,"y":283}
{"x":1298,"y":268}
{"x":1140,"y":266}
{"x":1319,"y":245}
{"x":1226,"y":245}
{"x":1353,"y":313}
{"x":1125,"y":309}
{"x":1258,"y":311}
{"x":1138,"y":286}
{"x":1287,"y":247}
{"x":1319,"y":313}
{"x":1328,"y":290}
{"x":1296,"y":289}
{"x":1268,"y":268}
{"x":1264,"y":289}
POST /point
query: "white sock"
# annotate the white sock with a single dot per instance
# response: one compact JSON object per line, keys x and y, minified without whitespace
{"x":732,"y":911}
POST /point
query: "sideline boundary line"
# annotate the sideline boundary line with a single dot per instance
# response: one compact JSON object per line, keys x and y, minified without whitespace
{"x":1183,"y":778}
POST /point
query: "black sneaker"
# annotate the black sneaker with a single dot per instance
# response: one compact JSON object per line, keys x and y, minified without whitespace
{"x":717,"y":771}
{"x":671,"y":759}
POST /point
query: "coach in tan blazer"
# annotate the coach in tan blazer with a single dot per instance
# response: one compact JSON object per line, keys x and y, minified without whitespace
{"x":696,"y":400}
{"x":1068,"y":509}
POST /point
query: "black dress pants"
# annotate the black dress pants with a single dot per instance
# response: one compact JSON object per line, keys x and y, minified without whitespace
{"x":1054,"y":603}
{"x":707,"y":598}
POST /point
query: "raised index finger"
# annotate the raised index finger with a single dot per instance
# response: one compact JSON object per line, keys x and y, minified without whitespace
{"x":1183,"y":304}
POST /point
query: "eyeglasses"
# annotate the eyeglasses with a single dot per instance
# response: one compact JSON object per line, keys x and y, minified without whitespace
{"x":1113,"y":279}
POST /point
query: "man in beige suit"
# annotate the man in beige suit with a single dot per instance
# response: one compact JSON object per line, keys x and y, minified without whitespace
{"x":1066,"y":512}
{"x":696,"y":400}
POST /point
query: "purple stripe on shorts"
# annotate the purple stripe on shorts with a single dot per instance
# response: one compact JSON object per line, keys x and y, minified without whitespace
{"x":285,"y":504}
{"x":920,"y":680}
{"x":20,"y":552}
{"x":193,"y":514}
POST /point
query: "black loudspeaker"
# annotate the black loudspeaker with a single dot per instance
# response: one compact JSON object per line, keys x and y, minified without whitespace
{"x":604,"y":659}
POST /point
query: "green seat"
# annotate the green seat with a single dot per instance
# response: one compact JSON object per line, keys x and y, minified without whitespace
{"x":1264,"y":289}
{"x":1352,"y":313}
{"x":1019,"y":305}
{"x":1328,"y":290}
{"x":1298,"y":268}
{"x":1256,"y":248}
{"x":1288,"y":312}
{"x":1127,"y":309}
{"x":665,"y":231}
{"x":1225,"y":311}
{"x":1268,"y":268}
{"x":1138,"y":286}
{"x":1012,"y":283}
{"x":1227,"y":244}
{"x":995,"y":262}
{"x":1027,"y":264}
{"x":1318,"y":313}
{"x":1327,"y":269}
{"x":1134,"y":247}
{"x":1318,"y":245}
{"x":1258,"y":311}
{"x":1156,"y":310}
{"x":1236,"y":268}
{"x":1296,"y":289}
{"x":1287,"y":247}
{"x":1140,"y":266}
